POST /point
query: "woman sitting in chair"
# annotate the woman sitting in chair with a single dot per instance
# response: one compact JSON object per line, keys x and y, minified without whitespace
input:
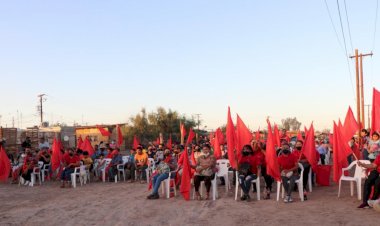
{"x":249,"y":170}
{"x":288,"y":167}
{"x":204,"y":171}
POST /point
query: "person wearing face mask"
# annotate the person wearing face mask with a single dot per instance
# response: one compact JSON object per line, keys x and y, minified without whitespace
{"x":301,"y":158}
{"x":70,"y":162}
{"x":249,"y":169}
{"x":288,"y":164}
{"x":27,"y":169}
{"x":204,"y":171}
{"x":162,"y":173}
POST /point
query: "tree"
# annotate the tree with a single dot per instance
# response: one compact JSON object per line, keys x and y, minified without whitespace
{"x":291,"y":124}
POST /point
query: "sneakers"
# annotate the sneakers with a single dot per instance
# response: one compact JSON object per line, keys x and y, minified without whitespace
{"x":372,"y":202}
{"x":290,"y":199}
{"x":363,"y":206}
{"x":286,"y":200}
{"x":153,"y":196}
{"x":244,"y":197}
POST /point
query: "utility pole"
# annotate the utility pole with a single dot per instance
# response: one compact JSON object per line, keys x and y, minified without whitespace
{"x":360,"y":89}
{"x":40,"y":107}
{"x":368,"y":114}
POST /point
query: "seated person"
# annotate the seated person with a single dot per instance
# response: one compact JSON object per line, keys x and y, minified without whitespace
{"x":70,"y":162}
{"x":162,"y":173}
{"x":249,"y":170}
{"x":204,"y":171}
{"x":141,"y":162}
{"x":112,"y":167}
{"x":27,"y":168}
{"x":100,"y":166}
{"x":373,"y":181}
{"x":297,"y":153}
{"x":44,"y":156}
{"x":131,"y":166}
{"x":288,"y":167}
{"x":87,"y":160}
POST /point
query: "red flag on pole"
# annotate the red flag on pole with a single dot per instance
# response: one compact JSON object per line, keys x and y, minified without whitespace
{"x":183,"y":130}
{"x":375,"y":111}
{"x":136,"y":142}
{"x":158,"y":141}
{"x":88,"y":147}
{"x":257,"y":135}
{"x":103,"y":131}
{"x":299,"y":136}
{"x":169,"y":144}
{"x":271,"y":157}
{"x":341,"y":151}
{"x":276,"y":135}
{"x":306,"y":131}
{"x":219,"y":134}
{"x":309,"y":150}
{"x":231,"y":140}
{"x":244,"y":136}
{"x":5,"y":165}
{"x":80,"y":143}
{"x":56,"y":156}
{"x":217,"y":150}
{"x":350,"y":125}
{"x":186,"y":178}
{"x":119,"y":136}
{"x":190,"y":137}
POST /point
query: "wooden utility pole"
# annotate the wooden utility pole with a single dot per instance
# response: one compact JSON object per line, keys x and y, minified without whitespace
{"x":360,"y":89}
{"x":40,"y":107}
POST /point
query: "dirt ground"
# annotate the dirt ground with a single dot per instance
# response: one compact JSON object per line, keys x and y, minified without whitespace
{"x":126,"y":204}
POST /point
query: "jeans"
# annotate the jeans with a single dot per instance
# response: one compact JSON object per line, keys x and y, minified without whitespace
{"x":246,"y":181}
{"x":323,"y":157}
{"x":66,"y":174}
{"x":156,"y":181}
{"x":288,"y":183}
{"x":372,"y":180}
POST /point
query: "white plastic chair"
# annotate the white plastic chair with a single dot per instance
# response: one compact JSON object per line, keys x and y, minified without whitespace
{"x":45,"y":171}
{"x":213,"y":187}
{"x":120,"y":168}
{"x":74,"y":177}
{"x":257,"y":181}
{"x":223,"y":165}
{"x":166,"y":186}
{"x":310,"y":180}
{"x":107,"y":162}
{"x":36,"y":173}
{"x":360,"y":173}
{"x":299,"y":182}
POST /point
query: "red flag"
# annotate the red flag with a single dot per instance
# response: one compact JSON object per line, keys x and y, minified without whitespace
{"x":273,"y":168}
{"x":5,"y":165}
{"x":244,"y":136}
{"x":217,"y":150}
{"x":305,"y":130}
{"x":88,"y":147}
{"x":169,"y":144}
{"x":350,"y":125}
{"x":257,"y":135}
{"x":183,"y":130}
{"x":341,"y":151}
{"x":119,"y":136}
{"x":375,"y":111}
{"x":80,"y":143}
{"x":191,"y":136}
{"x":194,"y":162}
{"x":56,"y":156}
{"x":219,"y":134}
{"x":331,"y":139}
{"x":276,"y":137}
{"x":309,"y":150}
{"x":231,"y":140}
{"x":103,"y":131}
{"x":186,"y":177}
{"x":158,"y":141}
{"x":299,"y":136}
{"x":136,"y":142}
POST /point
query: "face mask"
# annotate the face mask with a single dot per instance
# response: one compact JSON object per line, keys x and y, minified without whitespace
{"x":299,"y":148}
{"x":245,"y":153}
{"x":286,"y":151}
{"x":71,"y":154}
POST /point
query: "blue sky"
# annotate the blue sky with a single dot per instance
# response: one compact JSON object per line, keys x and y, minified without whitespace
{"x":105,"y":60}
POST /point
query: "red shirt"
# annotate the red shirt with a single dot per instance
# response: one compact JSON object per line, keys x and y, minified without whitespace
{"x":252,"y":160}
{"x":297,"y":154}
{"x":260,"y":157}
{"x":287,"y":161}
{"x":377,"y":162}
{"x":71,"y":160}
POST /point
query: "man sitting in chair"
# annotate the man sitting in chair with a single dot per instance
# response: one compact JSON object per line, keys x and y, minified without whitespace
{"x":141,"y":161}
{"x":373,"y":180}
{"x":71,"y":161}
{"x":162,"y":173}
{"x":288,"y":167}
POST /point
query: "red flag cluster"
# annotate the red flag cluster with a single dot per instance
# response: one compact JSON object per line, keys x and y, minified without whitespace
{"x":273,"y":168}
{"x":57,"y":155}
{"x":5,"y":165}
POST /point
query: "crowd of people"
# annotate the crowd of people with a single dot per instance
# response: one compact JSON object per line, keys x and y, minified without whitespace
{"x":168,"y":161}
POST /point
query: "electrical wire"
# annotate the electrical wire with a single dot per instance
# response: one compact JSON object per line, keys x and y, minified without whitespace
{"x":348,"y":25}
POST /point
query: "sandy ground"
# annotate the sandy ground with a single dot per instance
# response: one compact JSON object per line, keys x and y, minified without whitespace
{"x":125,"y":204}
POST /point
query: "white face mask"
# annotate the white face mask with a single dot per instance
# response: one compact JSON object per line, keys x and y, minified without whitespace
{"x":206,"y":155}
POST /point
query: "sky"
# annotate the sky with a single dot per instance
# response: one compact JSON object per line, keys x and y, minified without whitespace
{"x":100,"y":62}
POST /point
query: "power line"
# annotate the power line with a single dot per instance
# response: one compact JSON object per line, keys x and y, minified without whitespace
{"x":333,"y":25}
{"x":348,"y":25}
{"x":374,"y":33}
{"x":345,"y":48}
